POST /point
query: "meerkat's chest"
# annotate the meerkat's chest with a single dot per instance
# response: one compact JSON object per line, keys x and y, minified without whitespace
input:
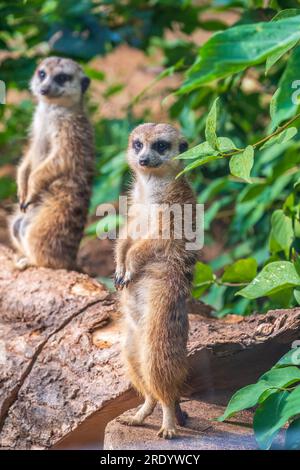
{"x":146,"y":214}
{"x":43,"y":132}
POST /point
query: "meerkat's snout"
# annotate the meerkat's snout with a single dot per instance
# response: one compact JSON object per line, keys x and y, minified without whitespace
{"x":144,"y":161}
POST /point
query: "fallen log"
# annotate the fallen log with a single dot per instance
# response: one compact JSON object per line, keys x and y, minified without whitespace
{"x":61,"y":378}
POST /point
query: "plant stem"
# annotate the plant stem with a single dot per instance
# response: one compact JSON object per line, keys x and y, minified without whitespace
{"x":278,"y":130}
{"x":265,"y":139}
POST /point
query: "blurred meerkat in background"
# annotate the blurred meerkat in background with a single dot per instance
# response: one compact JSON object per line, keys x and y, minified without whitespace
{"x":155,"y":276}
{"x":55,"y":176}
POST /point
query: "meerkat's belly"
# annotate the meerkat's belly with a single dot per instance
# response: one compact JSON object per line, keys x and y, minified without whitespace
{"x":133,"y":304}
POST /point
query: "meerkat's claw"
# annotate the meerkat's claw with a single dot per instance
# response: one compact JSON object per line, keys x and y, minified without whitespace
{"x":24,"y":205}
{"x":127,"y":279}
{"x":119,"y":278}
{"x":118,"y":281}
{"x":166,"y":433}
{"x":129,"y":420}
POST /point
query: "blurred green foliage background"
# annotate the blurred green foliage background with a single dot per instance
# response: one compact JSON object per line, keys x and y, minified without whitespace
{"x":239,"y":51}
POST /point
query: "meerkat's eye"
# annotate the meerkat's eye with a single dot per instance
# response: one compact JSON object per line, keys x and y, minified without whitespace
{"x":62,"y":78}
{"x":42,"y":74}
{"x":161,"y":146}
{"x":137,"y":145}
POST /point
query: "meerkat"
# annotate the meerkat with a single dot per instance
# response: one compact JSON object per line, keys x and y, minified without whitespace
{"x":55,"y":176}
{"x":154,"y":276}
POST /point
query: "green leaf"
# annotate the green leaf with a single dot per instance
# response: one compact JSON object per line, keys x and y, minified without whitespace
{"x":282,"y":299}
{"x":287,"y":13}
{"x":211,"y":126}
{"x":282,"y":231}
{"x":272,"y":59}
{"x":245,"y":398}
{"x":285,"y":101}
{"x":201,"y":150}
{"x":297,"y":296}
{"x":243,"y":270}
{"x":225,"y":144}
{"x":274,"y":277}
{"x":267,"y":419}
{"x":239,"y":47}
{"x":252,"y":394}
{"x":202,"y":273}
{"x":281,"y":138}
{"x":281,"y":376}
{"x":292,"y":436}
{"x":7,"y":187}
{"x":199,"y":162}
{"x":203,"y":278}
{"x":274,"y":413}
{"x":241,"y":164}
{"x":291,"y":358}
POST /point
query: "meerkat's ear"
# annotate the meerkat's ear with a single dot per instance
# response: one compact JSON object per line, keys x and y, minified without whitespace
{"x":85,"y":83}
{"x":183,"y":146}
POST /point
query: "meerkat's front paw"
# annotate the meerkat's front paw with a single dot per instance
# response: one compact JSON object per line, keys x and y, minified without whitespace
{"x":130,"y":420}
{"x":122,"y":279}
{"x":166,"y":433}
{"x":127,"y":278}
{"x":119,"y":277}
{"x":26,"y":203}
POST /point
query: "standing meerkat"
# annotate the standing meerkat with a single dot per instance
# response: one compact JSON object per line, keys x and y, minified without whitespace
{"x":154,"y":274}
{"x":55,"y":176}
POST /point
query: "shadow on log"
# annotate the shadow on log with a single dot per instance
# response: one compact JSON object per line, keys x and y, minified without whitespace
{"x":61,"y":378}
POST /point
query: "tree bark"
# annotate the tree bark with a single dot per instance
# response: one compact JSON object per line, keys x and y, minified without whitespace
{"x":61,"y":376}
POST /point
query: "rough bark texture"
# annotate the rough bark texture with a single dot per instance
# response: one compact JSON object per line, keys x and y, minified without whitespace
{"x":61,"y":378}
{"x":55,"y":369}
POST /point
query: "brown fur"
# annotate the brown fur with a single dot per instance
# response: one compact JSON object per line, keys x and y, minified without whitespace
{"x":155,"y":277}
{"x":55,"y":175}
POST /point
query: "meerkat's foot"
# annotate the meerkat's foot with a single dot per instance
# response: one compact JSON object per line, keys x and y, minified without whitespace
{"x":145,"y":410}
{"x":167,"y":433}
{"x":181,"y":416}
{"x":130,"y":420}
{"x":22,"y":263}
{"x":167,"y":430}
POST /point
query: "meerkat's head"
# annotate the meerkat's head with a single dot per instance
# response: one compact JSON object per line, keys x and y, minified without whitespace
{"x":152,"y":148}
{"x":59,"y":81}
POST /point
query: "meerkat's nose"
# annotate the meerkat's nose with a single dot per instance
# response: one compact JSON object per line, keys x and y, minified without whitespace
{"x":45,"y":90}
{"x":144,"y":161}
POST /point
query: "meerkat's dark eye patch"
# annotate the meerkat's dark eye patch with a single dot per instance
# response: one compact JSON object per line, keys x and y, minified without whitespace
{"x":161,"y":146}
{"x":183,"y":146}
{"x":85,"y":83}
{"x":62,"y":78}
{"x":137,"y":145}
{"x":42,"y":74}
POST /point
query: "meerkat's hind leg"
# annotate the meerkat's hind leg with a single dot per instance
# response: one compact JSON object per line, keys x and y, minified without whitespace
{"x":145,"y":410}
{"x":181,"y":416}
{"x":168,"y":429}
